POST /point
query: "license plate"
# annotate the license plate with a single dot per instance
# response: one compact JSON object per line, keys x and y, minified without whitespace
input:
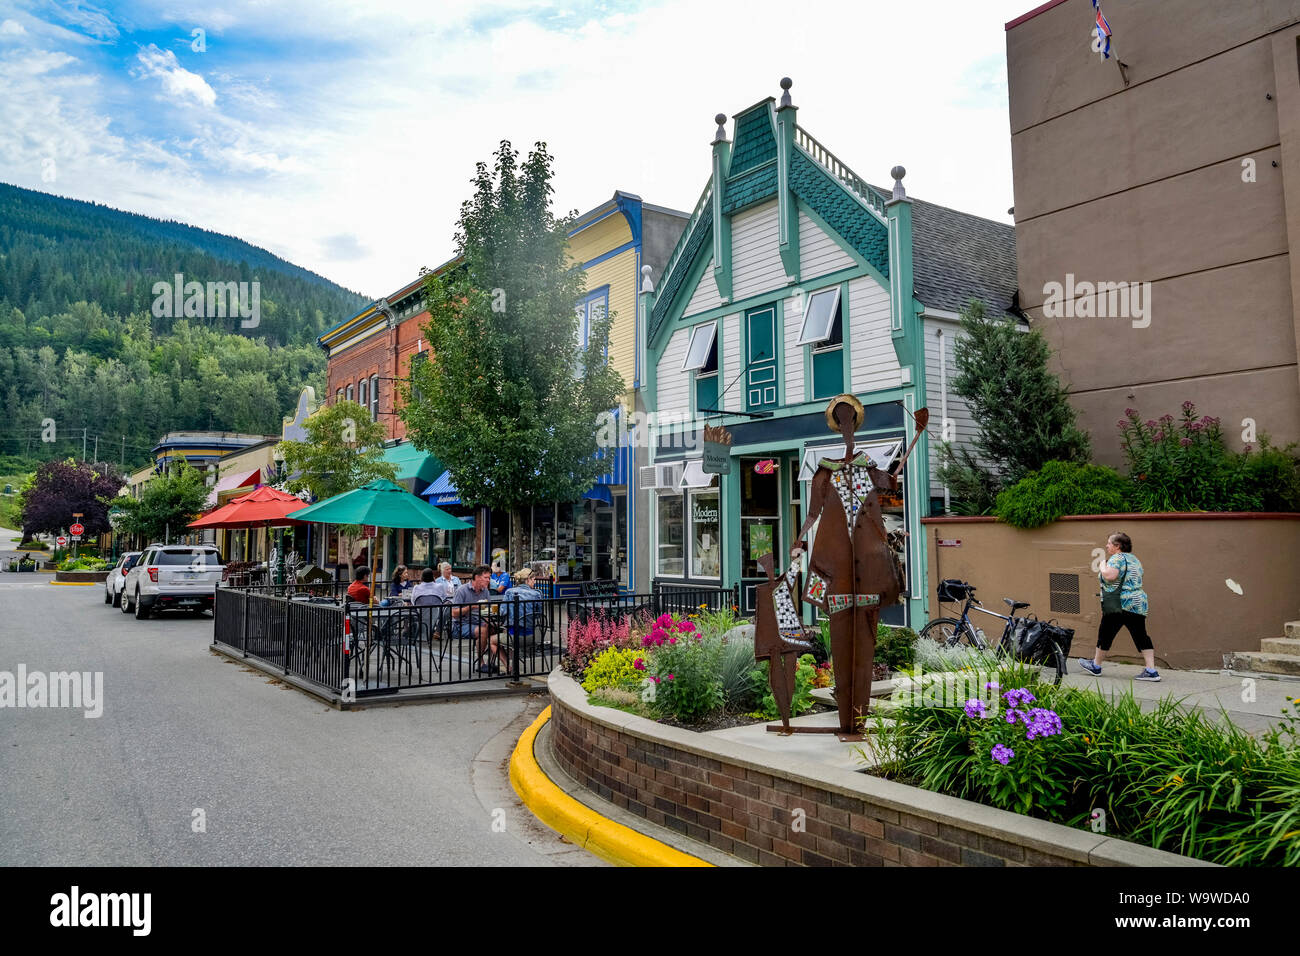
{"x":191,"y":601}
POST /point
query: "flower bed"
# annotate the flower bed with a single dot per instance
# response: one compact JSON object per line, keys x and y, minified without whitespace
{"x":1172,"y":778}
{"x":699,"y":671}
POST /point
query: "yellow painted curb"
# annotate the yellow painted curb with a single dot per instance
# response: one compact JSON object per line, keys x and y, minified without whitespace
{"x":75,"y":584}
{"x":602,"y":836}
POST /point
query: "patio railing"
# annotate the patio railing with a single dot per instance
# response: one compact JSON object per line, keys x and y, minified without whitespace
{"x":355,"y":650}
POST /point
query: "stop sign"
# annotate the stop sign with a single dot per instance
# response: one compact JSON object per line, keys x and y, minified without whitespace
{"x":77,"y":529}
{"x":61,"y":541}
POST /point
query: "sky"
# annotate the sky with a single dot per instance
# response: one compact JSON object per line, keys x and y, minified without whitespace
{"x":343,"y":136}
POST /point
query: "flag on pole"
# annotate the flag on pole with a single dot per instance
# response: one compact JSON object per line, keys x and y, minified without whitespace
{"x":1101,"y":32}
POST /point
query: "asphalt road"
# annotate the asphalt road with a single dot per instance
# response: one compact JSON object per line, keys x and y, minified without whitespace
{"x":280,"y":778}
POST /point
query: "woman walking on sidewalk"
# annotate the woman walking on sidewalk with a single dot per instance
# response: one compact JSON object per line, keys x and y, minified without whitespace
{"x":1123,"y":604}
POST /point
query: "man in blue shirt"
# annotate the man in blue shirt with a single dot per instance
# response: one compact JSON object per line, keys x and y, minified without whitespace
{"x":473,"y":623}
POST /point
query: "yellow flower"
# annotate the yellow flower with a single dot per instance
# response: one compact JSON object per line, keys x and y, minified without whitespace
{"x":1086,"y":740}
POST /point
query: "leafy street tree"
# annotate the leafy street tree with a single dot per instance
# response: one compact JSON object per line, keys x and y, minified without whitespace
{"x":343,"y":451}
{"x":1022,"y":411}
{"x":507,"y":398}
{"x":60,"y":489}
{"x":166,"y":504}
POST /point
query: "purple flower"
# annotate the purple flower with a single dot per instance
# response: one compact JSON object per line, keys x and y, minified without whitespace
{"x":1002,"y":754}
{"x":1041,"y":722}
{"x":1184,"y":441}
{"x":1166,"y":419}
{"x":1012,"y":715}
{"x":992,"y":685}
{"x":1188,"y":408}
{"x":1158,"y":436}
{"x":1131,"y":412}
{"x":1151,"y":423}
{"x":974,"y":708}
{"x":1018,"y":697}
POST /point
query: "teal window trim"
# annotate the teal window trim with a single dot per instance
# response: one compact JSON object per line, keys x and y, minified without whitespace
{"x":778,"y":309}
{"x":845,"y":345}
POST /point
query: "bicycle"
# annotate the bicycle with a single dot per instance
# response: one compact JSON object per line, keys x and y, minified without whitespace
{"x":1049,"y":655}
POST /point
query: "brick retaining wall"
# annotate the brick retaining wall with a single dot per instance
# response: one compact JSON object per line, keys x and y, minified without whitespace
{"x":745,"y":802}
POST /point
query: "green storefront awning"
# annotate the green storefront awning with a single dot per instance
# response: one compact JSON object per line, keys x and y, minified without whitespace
{"x":410,"y":462}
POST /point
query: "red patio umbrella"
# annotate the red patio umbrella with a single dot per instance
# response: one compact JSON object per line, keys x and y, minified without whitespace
{"x":263,"y":507}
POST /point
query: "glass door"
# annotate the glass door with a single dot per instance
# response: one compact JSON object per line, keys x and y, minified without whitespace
{"x":760,"y":522}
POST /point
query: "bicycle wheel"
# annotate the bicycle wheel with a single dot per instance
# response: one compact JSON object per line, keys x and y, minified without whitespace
{"x":950,"y":632}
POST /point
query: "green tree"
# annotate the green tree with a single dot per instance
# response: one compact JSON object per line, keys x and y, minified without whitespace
{"x":344,"y":450}
{"x":507,"y":399}
{"x":166,"y":504}
{"x":1020,"y":407}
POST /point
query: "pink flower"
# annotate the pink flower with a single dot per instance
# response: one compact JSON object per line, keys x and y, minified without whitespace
{"x":639,"y":664}
{"x":1184,"y":442}
{"x":664,"y":620}
{"x":686,"y":627}
{"x":670,"y":676}
{"x":655,"y":679}
{"x":1151,"y":423}
{"x":672,"y":640}
{"x":1246,"y":448}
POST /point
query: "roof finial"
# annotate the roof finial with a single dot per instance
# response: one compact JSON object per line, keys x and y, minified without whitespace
{"x":786,"y":83}
{"x":647,"y":284}
{"x":898,"y":172}
{"x":721,"y":135}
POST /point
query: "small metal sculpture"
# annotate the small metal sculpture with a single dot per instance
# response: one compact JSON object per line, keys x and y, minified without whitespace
{"x":778,"y":635}
{"x":853,"y":571}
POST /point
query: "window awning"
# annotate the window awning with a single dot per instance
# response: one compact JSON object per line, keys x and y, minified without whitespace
{"x":599,"y":492}
{"x":442,"y":491}
{"x":694,"y":476}
{"x":882,"y":453}
{"x":411,"y":463}
{"x":617,"y":459}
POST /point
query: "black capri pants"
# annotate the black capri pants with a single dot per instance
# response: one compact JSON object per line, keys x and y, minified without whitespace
{"x":1111,"y":623}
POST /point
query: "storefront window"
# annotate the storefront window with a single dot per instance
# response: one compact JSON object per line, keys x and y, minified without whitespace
{"x":706,"y":547}
{"x":672,"y":531}
{"x":499,"y":538}
{"x":418,"y":552}
{"x":544,"y":548}
{"x":462,"y":549}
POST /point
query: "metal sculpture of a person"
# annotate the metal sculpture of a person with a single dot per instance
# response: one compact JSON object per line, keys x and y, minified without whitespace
{"x":853,"y":571}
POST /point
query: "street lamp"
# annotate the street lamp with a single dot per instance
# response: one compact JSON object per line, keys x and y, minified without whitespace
{"x":277,"y":457}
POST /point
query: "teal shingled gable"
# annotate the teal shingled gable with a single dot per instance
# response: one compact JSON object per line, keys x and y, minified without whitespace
{"x":841,"y":211}
{"x":699,"y":241}
{"x":747,"y":189}
{"x":755,"y":142}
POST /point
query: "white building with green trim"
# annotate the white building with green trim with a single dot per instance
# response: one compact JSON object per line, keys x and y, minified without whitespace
{"x":795,"y":281}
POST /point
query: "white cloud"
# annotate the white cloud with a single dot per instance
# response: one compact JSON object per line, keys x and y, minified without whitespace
{"x":362,"y":123}
{"x":12,"y":28}
{"x":178,"y":82}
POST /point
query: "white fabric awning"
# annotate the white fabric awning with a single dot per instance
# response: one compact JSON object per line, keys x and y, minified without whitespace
{"x":882,"y":453}
{"x":693,"y":475}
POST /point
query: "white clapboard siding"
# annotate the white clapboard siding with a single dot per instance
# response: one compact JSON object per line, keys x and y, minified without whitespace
{"x":729,"y":364}
{"x":872,"y":359}
{"x":755,"y":257}
{"x":794,"y":352}
{"x":671,"y":382}
{"x":819,"y":252}
{"x":705,"y":296}
{"x":963,"y":424}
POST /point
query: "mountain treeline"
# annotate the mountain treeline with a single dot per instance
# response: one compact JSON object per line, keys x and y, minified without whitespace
{"x":82,"y":345}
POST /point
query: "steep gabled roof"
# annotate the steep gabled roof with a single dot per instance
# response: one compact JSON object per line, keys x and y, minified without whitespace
{"x":957,"y":257}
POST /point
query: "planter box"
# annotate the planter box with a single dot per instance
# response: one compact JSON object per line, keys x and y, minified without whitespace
{"x":82,"y":576}
{"x":743,"y":801}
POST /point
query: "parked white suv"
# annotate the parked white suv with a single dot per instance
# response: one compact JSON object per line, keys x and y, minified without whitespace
{"x":117,"y":577}
{"x":173,"y":577}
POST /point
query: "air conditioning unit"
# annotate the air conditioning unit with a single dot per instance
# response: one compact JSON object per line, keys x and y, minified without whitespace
{"x":670,"y":476}
{"x":648,"y":477}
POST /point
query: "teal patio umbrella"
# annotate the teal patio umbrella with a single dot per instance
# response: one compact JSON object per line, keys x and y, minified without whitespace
{"x":383,"y":504}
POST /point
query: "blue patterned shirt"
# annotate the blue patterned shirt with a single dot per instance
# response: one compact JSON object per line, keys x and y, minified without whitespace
{"x":1132,"y":597}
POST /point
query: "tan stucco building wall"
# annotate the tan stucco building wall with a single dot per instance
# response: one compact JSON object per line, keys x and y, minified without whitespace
{"x":1195,"y":615}
{"x":1189,"y":179}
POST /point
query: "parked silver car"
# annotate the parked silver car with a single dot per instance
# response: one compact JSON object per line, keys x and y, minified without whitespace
{"x":173,"y":577}
{"x":117,"y":577}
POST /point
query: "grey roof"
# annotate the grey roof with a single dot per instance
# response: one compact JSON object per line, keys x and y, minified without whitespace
{"x":957,"y":257}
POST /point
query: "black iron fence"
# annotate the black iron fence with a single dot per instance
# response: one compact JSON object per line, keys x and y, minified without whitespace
{"x":358,"y":650}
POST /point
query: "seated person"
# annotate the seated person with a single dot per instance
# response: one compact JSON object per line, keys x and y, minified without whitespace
{"x":446,"y":582}
{"x":359,"y":589}
{"x":470,"y":622}
{"x":522,"y":617}
{"x":428,"y":586}
{"x":399,"y":586}
{"x":500,"y":582}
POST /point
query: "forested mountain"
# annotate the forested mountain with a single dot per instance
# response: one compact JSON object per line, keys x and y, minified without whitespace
{"x":85,"y":340}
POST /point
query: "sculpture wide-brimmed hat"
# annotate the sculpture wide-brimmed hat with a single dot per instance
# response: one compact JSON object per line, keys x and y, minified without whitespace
{"x":859,"y":413}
